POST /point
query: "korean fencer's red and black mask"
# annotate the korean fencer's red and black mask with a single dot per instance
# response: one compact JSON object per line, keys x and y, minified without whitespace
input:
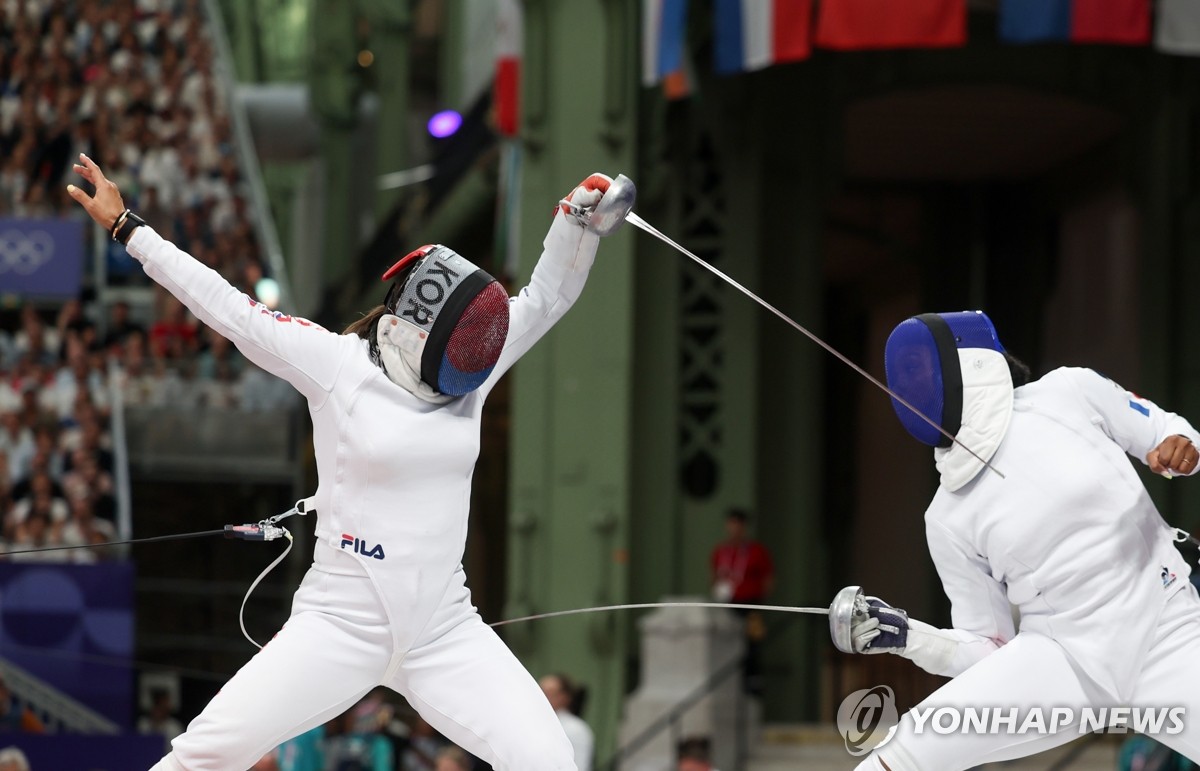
{"x":447,"y":322}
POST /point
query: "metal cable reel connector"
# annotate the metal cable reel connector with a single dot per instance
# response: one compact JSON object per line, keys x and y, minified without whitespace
{"x":263,"y":531}
{"x":607,"y":216}
{"x":849,"y":607}
{"x":1183,"y":536}
{"x":268,"y":529}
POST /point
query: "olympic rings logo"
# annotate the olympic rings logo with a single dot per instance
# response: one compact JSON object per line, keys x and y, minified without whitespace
{"x":24,"y":252}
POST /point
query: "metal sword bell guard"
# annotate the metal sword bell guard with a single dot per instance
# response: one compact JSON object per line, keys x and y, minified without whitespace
{"x":609,"y":215}
{"x":848,"y":607}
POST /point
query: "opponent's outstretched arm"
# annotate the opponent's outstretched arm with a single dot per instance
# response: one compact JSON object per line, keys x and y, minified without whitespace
{"x":980,"y":613}
{"x":299,"y":351}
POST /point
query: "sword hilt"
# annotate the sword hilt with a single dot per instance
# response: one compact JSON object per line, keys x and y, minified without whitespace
{"x":607,"y":216}
{"x":849,"y":607}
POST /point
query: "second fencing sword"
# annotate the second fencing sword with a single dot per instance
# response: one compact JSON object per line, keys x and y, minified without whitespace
{"x":616,"y":208}
{"x":849,"y":607}
{"x":650,"y":605}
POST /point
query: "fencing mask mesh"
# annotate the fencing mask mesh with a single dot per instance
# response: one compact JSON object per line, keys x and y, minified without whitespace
{"x":455,"y":315}
{"x":922,"y":364}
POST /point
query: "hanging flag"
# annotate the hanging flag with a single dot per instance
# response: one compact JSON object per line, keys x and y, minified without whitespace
{"x":752,"y":34}
{"x":1178,"y":29}
{"x":506,"y":89}
{"x":681,"y":83}
{"x":1035,"y":21}
{"x":862,"y":24}
{"x":475,"y":70}
{"x":664,"y":23}
{"x":508,"y":212}
{"x":1123,"y":22}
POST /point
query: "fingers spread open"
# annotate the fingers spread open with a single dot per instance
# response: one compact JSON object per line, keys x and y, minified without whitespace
{"x":95,"y":176}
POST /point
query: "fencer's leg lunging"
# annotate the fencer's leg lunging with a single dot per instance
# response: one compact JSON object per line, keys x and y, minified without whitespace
{"x":469,"y":686}
{"x":1168,"y":678}
{"x":317,"y":667}
{"x":1171,"y":675}
{"x":1001,"y":679}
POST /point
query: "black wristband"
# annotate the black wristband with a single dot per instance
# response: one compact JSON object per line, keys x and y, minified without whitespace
{"x":112,"y":231}
{"x":128,"y":222}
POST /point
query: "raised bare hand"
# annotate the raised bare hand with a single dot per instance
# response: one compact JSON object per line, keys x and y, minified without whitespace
{"x":106,"y":205}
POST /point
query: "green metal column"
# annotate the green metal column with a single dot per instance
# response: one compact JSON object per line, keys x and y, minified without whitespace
{"x":792,"y":403}
{"x":242,"y":27}
{"x":729,"y":397}
{"x":718,"y":185}
{"x":697,"y":449}
{"x":572,"y":430}
{"x":656,"y":560}
{"x":334,"y":88}
{"x":390,"y":29}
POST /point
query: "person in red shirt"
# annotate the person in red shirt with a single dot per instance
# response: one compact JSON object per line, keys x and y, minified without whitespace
{"x":741,"y":568}
{"x":742,"y":573}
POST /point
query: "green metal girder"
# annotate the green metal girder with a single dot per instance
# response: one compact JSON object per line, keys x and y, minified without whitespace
{"x":573,"y":433}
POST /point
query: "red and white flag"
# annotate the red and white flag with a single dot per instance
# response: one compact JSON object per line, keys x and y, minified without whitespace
{"x":1119,"y":22}
{"x":506,"y":90}
{"x":866,"y":24}
{"x":752,"y":34}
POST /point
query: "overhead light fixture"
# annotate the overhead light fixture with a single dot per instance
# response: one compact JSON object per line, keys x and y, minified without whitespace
{"x":444,"y":123}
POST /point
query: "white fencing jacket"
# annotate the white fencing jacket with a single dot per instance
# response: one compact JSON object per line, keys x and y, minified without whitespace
{"x":394,"y":470}
{"x":1069,"y":536}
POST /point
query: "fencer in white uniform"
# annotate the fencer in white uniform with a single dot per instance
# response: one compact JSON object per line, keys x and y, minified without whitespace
{"x":396,"y":425}
{"x":1068,"y":535}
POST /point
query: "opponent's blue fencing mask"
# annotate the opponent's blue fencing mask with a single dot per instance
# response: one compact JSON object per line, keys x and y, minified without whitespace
{"x":922,"y":363}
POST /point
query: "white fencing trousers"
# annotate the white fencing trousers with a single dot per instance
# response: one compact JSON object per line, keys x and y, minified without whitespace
{"x":1034,"y":670}
{"x":337,"y":646}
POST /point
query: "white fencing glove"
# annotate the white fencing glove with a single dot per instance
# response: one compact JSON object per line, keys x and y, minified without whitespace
{"x":883,"y":630}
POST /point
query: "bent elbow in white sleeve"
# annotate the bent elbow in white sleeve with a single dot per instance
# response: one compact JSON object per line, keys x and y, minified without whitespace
{"x":946,"y":652}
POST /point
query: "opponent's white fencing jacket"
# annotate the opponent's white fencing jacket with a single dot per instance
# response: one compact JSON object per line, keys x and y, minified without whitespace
{"x":1069,"y":536}
{"x":394,"y":471}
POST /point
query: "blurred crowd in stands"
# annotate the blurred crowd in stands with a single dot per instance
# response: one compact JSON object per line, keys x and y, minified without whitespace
{"x":130,"y":83}
{"x":381,"y":733}
{"x":57,"y":388}
{"x":372,"y":736}
{"x":56,"y":463}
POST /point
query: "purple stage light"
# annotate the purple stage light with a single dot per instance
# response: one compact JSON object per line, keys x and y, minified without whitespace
{"x":444,"y":123}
